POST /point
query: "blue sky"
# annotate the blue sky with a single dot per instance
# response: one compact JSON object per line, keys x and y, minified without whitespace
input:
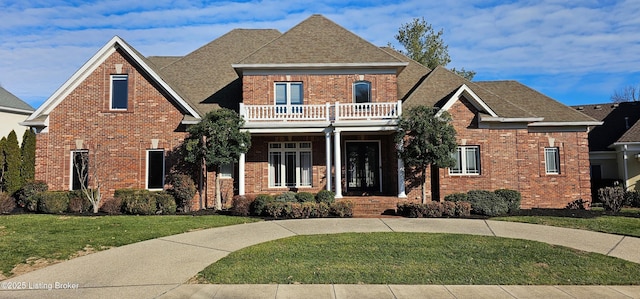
{"x":577,"y":52}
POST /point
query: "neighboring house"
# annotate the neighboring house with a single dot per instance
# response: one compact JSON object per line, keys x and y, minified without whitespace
{"x":322,"y":106}
{"x":12,"y":111}
{"x":614,"y":147}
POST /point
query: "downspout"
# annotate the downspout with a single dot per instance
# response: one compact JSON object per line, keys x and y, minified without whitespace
{"x":626,"y":167}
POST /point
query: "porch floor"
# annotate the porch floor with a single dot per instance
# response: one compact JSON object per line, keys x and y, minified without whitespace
{"x":374,"y":206}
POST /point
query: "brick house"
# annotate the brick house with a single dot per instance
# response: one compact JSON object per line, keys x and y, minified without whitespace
{"x":322,"y":106}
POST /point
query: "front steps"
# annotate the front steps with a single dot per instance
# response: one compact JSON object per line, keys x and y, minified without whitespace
{"x":374,"y":206}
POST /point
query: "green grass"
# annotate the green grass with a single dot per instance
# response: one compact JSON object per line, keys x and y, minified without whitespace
{"x":58,"y":237}
{"x":628,"y":226}
{"x":415,"y":258}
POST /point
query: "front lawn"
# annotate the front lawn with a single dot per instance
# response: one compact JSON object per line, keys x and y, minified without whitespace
{"x":55,"y":237}
{"x":415,"y":258}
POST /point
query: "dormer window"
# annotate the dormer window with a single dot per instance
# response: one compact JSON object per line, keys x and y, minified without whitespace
{"x":362,"y":92}
{"x":119,"y":92}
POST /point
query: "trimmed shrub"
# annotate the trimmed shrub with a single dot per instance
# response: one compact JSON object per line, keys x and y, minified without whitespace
{"x":25,"y":195}
{"x":463,"y":209}
{"x":7,"y":203}
{"x":433,"y":209}
{"x":326,"y":196}
{"x":183,"y":189}
{"x":321,"y":210}
{"x":288,"y":196}
{"x":274,"y":209}
{"x":512,"y":197}
{"x":52,"y":202}
{"x":112,"y":206}
{"x":342,"y":209}
{"x":78,"y":202}
{"x":487,"y":203}
{"x":165,"y":203}
{"x":448,"y":208}
{"x":632,"y":199}
{"x":258,"y":206}
{"x":241,"y":205}
{"x":305,"y":197}
{"x":578,"y":204}
{"x":308,"y":209}
{"x":137,"y":201}
{"x":612,"y":198}
{"x":455,"y":197}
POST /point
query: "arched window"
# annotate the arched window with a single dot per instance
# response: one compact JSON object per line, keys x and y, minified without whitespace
{"x":362,"y":92}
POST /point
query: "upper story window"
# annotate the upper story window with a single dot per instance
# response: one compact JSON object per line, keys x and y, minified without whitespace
{"x":362,"y":92}
{"x":287,"y":94}
{"x":467,"y":160}
{"x":552,"y":160}
{"x":119,"y":92}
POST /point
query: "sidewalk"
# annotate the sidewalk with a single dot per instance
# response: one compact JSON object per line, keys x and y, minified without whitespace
{"x":160,"y":267}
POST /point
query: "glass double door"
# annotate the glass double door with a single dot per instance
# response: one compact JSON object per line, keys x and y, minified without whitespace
{"x":363,"y":166}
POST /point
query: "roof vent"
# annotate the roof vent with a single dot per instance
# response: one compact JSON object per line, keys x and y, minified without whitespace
{"x":615,"y":105}
{"x":597,"y":107}
{"x":580,"y":108}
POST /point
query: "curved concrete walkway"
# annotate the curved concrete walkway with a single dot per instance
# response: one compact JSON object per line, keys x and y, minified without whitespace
{"x":160,"y":267}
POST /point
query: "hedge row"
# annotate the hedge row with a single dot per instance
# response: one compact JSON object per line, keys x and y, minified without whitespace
{"x":499,"y":202}
{"x":434,"y":209}
{"x":142,"y":202}
{"x":292,"y":205}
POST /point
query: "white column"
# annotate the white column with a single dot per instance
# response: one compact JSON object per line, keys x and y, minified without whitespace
{"x":401,"y":187}
{"x":327,"y":141}
{"x":241,"y":174}
{"x":337,"y":164}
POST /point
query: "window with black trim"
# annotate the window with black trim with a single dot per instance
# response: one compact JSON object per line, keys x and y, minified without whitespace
{"x":79,"y":169}
{"x":288,"y":94}
{"x":552,"y":160}
{"x":362,"y":92}
{"x":467,"y":160}
{"x":155,"y":169}
{"x":119,"y":92}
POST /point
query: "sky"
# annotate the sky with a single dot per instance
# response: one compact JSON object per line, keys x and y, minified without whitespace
{"x":577,"y":52}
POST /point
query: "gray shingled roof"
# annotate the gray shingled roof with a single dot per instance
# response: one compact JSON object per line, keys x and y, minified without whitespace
{"x":205,"y":76}
{"x":162,"y":61}
{"x":10,"y":101}
{"x":318,"y":40}
{"x":620,"y":124}
{"x":410,"y":76}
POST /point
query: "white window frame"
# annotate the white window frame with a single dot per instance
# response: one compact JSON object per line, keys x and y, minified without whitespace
{"x":549,"y":169}
{"x":280,"y":149}
{"x":163,"y":170}
{"x":461,"y":156}
{"x":111,"y":95}
{"x":72,"y":167}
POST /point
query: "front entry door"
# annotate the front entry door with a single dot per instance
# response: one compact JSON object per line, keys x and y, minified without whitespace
{"x":363,"y":166}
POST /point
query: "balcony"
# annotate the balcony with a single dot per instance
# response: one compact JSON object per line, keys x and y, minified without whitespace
{"x":334,"y":113}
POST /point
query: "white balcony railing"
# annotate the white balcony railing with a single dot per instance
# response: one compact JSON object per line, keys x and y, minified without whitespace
{"x":327,"y":112}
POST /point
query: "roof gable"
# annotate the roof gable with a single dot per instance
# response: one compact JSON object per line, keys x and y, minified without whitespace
{"x":318,"y":40}
{"x":10,"y":103}
{"x":79,"y":76}
{"x":621,"y":124}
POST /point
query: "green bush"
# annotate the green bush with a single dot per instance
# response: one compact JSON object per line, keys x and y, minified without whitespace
{"x":274,"y":209}
{"x":137,"y":201}
{"x":455,"y":197}
{"x":512,"y":197}
{"x":258,"y":206}
{"x":308,"y":209}
{"x":342,"y":209}
{"x":487,"y":203}
{"x":632,"y":199}
{"x":463,"y":209}
{"x":321,"y":210}
{"x":78,"y":202}
{"x":305,"y":197}
{"x":288,"y":196}
{"x":183,"y":189}
{"x":165,"y":203}
{"x":25,"y":195}
{"x":612,"y":198}
{"x":241,"y":205}
{"x":7,"y":203}
{"x":433,"y":209}
{"x":326,"y":196}
{"x":52,"y":202}
{"x":448,"y":208}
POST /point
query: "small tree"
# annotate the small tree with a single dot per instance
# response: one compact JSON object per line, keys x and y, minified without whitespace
{"x":627,"y":94}
{"x":87,"y":170}
{"x":3,"y":163}
{"x":12,"y":180}
{"x":425,"y":139}
{"x":215,"y":141}
{"x":28,"y":149}
{"x":426,"y":46}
